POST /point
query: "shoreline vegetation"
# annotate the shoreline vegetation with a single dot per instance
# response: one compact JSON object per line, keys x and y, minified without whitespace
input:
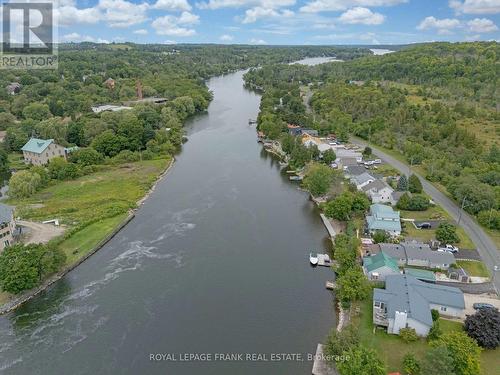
{"x":82,"y":244}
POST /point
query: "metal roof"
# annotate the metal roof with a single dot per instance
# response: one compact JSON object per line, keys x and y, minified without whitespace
{"x":5,"y":213}
{"x":37,"y":145}
{"x":380,"y":260}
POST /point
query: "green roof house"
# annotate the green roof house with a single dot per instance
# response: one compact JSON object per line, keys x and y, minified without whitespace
{"x":39,"y":151}
{"x":377,"y":267}
{"x":384,"y":218}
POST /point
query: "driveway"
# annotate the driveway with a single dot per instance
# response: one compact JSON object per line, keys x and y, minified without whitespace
{"x":470,"y":299}
{"x":472,"y":288}
{"x":484,"y":244}
{"x":467,"y":255}
{"x":434,"y":223}
{"x":32,"y":232}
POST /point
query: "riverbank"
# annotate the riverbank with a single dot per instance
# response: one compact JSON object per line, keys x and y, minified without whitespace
{"x":79,"y":245}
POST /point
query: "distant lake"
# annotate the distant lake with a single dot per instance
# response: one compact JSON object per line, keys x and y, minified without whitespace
{"x":380,"y":51}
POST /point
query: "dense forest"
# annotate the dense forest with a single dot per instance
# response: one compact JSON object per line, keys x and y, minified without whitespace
{"x":436,"y":104}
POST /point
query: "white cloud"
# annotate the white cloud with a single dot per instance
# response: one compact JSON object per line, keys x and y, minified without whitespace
{"x":172,"y":5}
{"x":121,"y":13}
{"x":252,"y":15}
{"x":268,"y":4}
{"x":176,"y":26}
{"x":257,"y":41}
{"x":475,"y":6}
{"x":226,"y":38}
{"x":168,"y":41}
{"x":75,"y":37}
{"x":338,"y":5}
{"x":364,"y":16}
{"x":443,"y":26}
{"x":141,"y":32}
{"x":482,"y":25}
{"x":70,"y":15}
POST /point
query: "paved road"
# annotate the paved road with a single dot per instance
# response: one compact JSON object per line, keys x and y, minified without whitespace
{"x":485,"y":245}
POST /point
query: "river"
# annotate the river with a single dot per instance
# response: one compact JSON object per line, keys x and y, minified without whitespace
{"x":215,"y":261}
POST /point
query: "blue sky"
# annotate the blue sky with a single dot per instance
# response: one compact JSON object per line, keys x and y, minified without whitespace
{"x":278,"y":21}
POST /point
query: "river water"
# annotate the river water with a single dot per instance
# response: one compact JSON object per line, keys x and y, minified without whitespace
{"x":216,"y":261}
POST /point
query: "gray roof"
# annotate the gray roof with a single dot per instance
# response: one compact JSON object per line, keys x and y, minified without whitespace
{"x":406,"y":293}
{"x":416,"y":251}
{"x":5,"y":213}
{"x":355,"y":170}
{"x":376,"y":185}
{"x":362,"y":178}
{"x":397,"y":194}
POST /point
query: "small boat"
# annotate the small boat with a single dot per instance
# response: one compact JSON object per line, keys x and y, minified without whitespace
{"x":295,"y":178}
{"x":313,"y":259}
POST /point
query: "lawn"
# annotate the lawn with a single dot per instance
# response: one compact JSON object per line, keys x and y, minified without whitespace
{"x":392,"y":349}
{"x":474,"y":268}
{"x":109,"y":192}
{"x":86,"y":239}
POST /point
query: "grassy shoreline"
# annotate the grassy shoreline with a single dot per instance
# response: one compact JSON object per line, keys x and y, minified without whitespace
{"x":92,"y":206}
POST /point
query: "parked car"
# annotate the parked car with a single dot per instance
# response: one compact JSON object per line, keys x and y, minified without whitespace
{"x":447,"y":250}
{"x":482,"y":305}
{"x":452,"y":248}
{"x":424,"y":226}
{"x":377,"y":161}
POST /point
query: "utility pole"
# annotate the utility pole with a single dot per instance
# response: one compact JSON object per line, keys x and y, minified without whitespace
{"x":461,"y":209}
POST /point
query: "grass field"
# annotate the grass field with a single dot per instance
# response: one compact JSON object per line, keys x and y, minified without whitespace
{"x":392,"y":349}
{"x":107,"y":193}
{"x":474,"y":268}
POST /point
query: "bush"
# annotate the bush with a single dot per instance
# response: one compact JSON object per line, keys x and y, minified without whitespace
{"x":435,"y":332}
{"x":414,"y":184}
{"x":380,"y":236}
{"x":60,"y":169}
{"x":447,"y":233}
{"x":484,"y":327}
{"x":435,"y":315}
{"x":86,"y":156}
{"x":408,"y":334}
{"x":410,"y":364}
{"x":339,"y":342}
{"x":126,"y":156}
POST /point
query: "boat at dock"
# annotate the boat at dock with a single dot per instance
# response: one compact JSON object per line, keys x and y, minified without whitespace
{"x":295,"y":178}
{"x":313,"y":259}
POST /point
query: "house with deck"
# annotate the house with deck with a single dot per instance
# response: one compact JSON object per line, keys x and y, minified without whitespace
{"x":406,"y":302}
{"x":379,"y":192}
{"x":382,"y":217}
{"x":41,"y":151}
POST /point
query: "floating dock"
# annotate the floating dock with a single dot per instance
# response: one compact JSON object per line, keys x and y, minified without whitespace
{"x":324,"y":260}
{"x":330,"y":285}
{"x":320,"y":367}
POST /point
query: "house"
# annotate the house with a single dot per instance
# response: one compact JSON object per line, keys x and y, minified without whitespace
{"x":377,"y":267}
{"x":7,"y":226}
{"x":40,"y":151}
{"x":294,"y":129}
{"x":109,"y":108}
{"x":345,"y":162}
{"x":13,"y":88}
{"x":342,"y":152}
{"x":384,"y":218}
{"x":379,"y":192}
{"x":110,"y":83}
{"x":407,"y":303}
{"x":311,"y":132}
{"x":362,"y":180}
{"x":353,"y":170}
{"x":418,"y":254}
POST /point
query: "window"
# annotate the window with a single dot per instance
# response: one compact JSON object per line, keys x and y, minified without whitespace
{"x":443,"y":308}
{"x":376,"y":304}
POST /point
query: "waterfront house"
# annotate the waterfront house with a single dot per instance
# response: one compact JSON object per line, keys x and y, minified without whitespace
{"x":362,"y":180}
{"x":384,"y":218}
{"x":417,"y":254}
{"x":379,"y":192}
{"x":40,"y":151}
{"x":407,"y":303}
{"x":294,"y":129}
{"x":7,"y":226}
{"x":379,"y":266}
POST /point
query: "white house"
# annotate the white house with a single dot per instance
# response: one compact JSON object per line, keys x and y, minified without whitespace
{"x":379,"y":192}
{"x":407,"y":303}
{"x":362,"y":180}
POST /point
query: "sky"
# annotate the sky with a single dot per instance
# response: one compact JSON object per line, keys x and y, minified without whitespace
{"x":278,"y":21}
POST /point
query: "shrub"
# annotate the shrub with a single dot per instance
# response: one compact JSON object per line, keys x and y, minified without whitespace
{"x":126,"y":156}
{"x":447,"y":233}
{"x":339,"y":342}
{"x":86,"y":156}
{"x":408,"y":334}
{"x":410,"y":364}
{"x":23,"y":184}
{"x":435,"y":315}
{"x":380,"y":236}
{"x":414,"y":184}
{"x":435,"y":332}
{"x":484,"y":327}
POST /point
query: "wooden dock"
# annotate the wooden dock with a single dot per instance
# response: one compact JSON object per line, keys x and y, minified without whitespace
{"x":324,"y":260}
{"x":330,"y":285}
{"x":320,"y":367}
{"x":328,"y":226}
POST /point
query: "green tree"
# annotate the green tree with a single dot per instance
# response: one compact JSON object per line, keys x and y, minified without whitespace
{"x":329,"y":156}
{"x":86,"y":156}
{"x":490,"y":219}
{"x":4,"y":166}
{"x":367,"y":151}
{"x":361,"y":361}
{"x":414,"y":184}
{"x":340,"y":208}
{"x":403,"y":202}
{"x":23,"y":184}
{"x":435,"y":332}
{"x":447,"y":233}
{"x":339,"y":342}
{"x":402,"y":183}
{"x":352,"y":285}
{"x":438,"y":361}
{"x":408,"y":334}
{"x":318,"y":178}
{"x":410,"y":364}
{"x":360,"y":202}
{"x":36,"y":111}
{"x":463,"y":350}
{"x":109,"y":144}
{"x":380,"y":236}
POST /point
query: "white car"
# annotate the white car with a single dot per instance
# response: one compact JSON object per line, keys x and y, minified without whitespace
{"x":452,"y":248}
{"x":377,"y":161}
{"x":447,"y":250}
